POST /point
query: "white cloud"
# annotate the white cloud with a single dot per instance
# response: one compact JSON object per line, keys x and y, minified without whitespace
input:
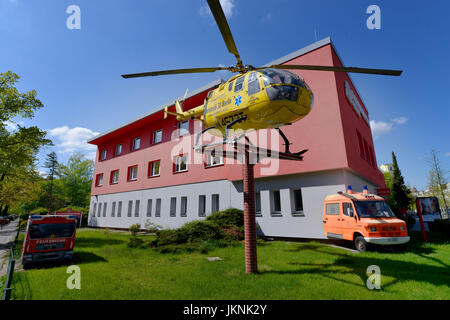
{"x":447,"y":154}
{"x":227,"y":6}
{"x":400,"y":120}
{"x":383,"y":127}
{"x":380,"y":127}
{"x":74,"y":139}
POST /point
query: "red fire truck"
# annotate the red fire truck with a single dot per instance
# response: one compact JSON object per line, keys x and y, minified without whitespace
{"x":49,"y":238}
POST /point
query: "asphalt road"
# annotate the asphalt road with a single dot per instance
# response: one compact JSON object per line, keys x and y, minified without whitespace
{"x":7,"y":235}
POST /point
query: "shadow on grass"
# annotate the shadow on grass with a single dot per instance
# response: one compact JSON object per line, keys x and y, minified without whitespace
{"x":79,"y":258}
{"x":95,"y":242}
{"x":357,"y":265}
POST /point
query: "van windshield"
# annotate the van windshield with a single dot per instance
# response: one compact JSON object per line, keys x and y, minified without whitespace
{"x":52,"y":230}
{"x":373,"y":209}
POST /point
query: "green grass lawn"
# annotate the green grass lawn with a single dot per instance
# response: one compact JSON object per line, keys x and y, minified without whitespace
{"x":111,"y":270}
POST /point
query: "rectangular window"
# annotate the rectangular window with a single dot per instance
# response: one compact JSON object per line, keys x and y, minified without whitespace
{"x":253,"y":83}
{"x":99,"y":180}
{"x":114,"y":176}
{"x":214,"y":203}
{"x":99,"y":209}
{"x":93,"y":209}
{"x":157,"y":136}
{"x":149,"y":207}
{"x":201,"y":205}
{"x":298,"y":201}
{"x":366,"y":150}
{"x":103,"y":155}
{"x":183,"y":207}
{"x":153,"y":168}
{"x":173,"y":206}
{"x":136,"y":143}
{"x":276,"y":202}
{"x":258,"y":204}
{"x":372,"y":159}
{"x":181,"y":164}
{"x":118,"y":149}
{"x":212,"y":161}
{"x":183,"y":128}
{"x":136,"y":208}
{"x":348,"y":209}
{"x":332,"y":209}
{"x":361,"y":145}
{"x":132,"y":173}
{"x":113,"y":209}
{"x":239,"y":84}
{"x":104,"y":209}
{"x":130,"y":207}
{"x":158,"y":208}
{"x":119,"y":209}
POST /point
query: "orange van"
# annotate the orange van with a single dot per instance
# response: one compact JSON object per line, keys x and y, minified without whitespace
{"x":362,"y":218}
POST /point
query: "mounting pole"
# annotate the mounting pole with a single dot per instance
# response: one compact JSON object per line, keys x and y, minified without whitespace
{"x":248,"y":178}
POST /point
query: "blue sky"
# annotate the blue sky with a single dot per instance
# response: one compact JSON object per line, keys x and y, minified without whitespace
{"x":77,"y":72}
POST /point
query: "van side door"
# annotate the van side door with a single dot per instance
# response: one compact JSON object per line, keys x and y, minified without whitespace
{"x":348,"y":220}
{"x":332,"y":220}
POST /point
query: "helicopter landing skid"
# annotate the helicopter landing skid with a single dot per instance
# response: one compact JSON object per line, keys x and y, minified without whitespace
{"x":248,"y":147}
{"x":287,"y":144}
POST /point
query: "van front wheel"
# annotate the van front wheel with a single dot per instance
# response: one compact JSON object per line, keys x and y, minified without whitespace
{"x":360,"y":244}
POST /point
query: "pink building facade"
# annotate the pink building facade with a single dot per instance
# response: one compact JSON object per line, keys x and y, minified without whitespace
{"x":146,"y":169}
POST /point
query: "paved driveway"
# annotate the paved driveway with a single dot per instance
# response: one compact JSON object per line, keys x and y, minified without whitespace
{"x":7,"y":235}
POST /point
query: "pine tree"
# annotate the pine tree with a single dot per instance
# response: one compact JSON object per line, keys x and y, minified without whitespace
{"x":51,"y":163}
{"x":399,"y":197}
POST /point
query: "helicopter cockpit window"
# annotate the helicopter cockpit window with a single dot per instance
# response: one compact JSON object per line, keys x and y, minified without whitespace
{"x":253,"y":83}
{"x":239,"y":84}
{"x":274,"y":76}
{"x":282,"y":92}
{"x":230,"y":86}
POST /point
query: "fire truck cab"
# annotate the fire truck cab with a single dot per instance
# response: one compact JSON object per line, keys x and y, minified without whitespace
{"x":362,"y":218}
{"x":49,"y":238}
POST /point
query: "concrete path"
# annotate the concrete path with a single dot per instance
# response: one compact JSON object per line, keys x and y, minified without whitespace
{"x":7,"y":235}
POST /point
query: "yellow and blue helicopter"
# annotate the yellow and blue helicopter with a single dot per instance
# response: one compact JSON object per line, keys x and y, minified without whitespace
{"x":256,"y":98}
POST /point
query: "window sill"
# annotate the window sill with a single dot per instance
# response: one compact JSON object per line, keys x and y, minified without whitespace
{"x":276,"y":214}
{"x":155,"y":176}
{"x":298,"y":214}
{"x":214,"y":166}
{"x":183,"y":171}
{"x":131,"y":180}
{"x":258,"y":215}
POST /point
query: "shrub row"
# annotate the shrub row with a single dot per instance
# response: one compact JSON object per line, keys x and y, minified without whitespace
{"x":218,"y":230}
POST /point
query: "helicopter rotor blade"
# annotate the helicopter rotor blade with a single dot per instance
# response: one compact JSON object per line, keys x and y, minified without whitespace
{"x":338,"y":69}
{"x":224,"y":28}
{"x":175,"y":71}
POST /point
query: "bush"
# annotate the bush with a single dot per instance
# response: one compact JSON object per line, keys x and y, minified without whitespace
{"x":23,"y":224}
{"x":218,"y":230}
{"x":194,"y":231}
{"x":227,"y":218}
{"x":151,"y":227}
{"x":39,"y":211}
{"x":24,"y":216}
{"x":135,"y":242}
{"x":135,"y":228}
